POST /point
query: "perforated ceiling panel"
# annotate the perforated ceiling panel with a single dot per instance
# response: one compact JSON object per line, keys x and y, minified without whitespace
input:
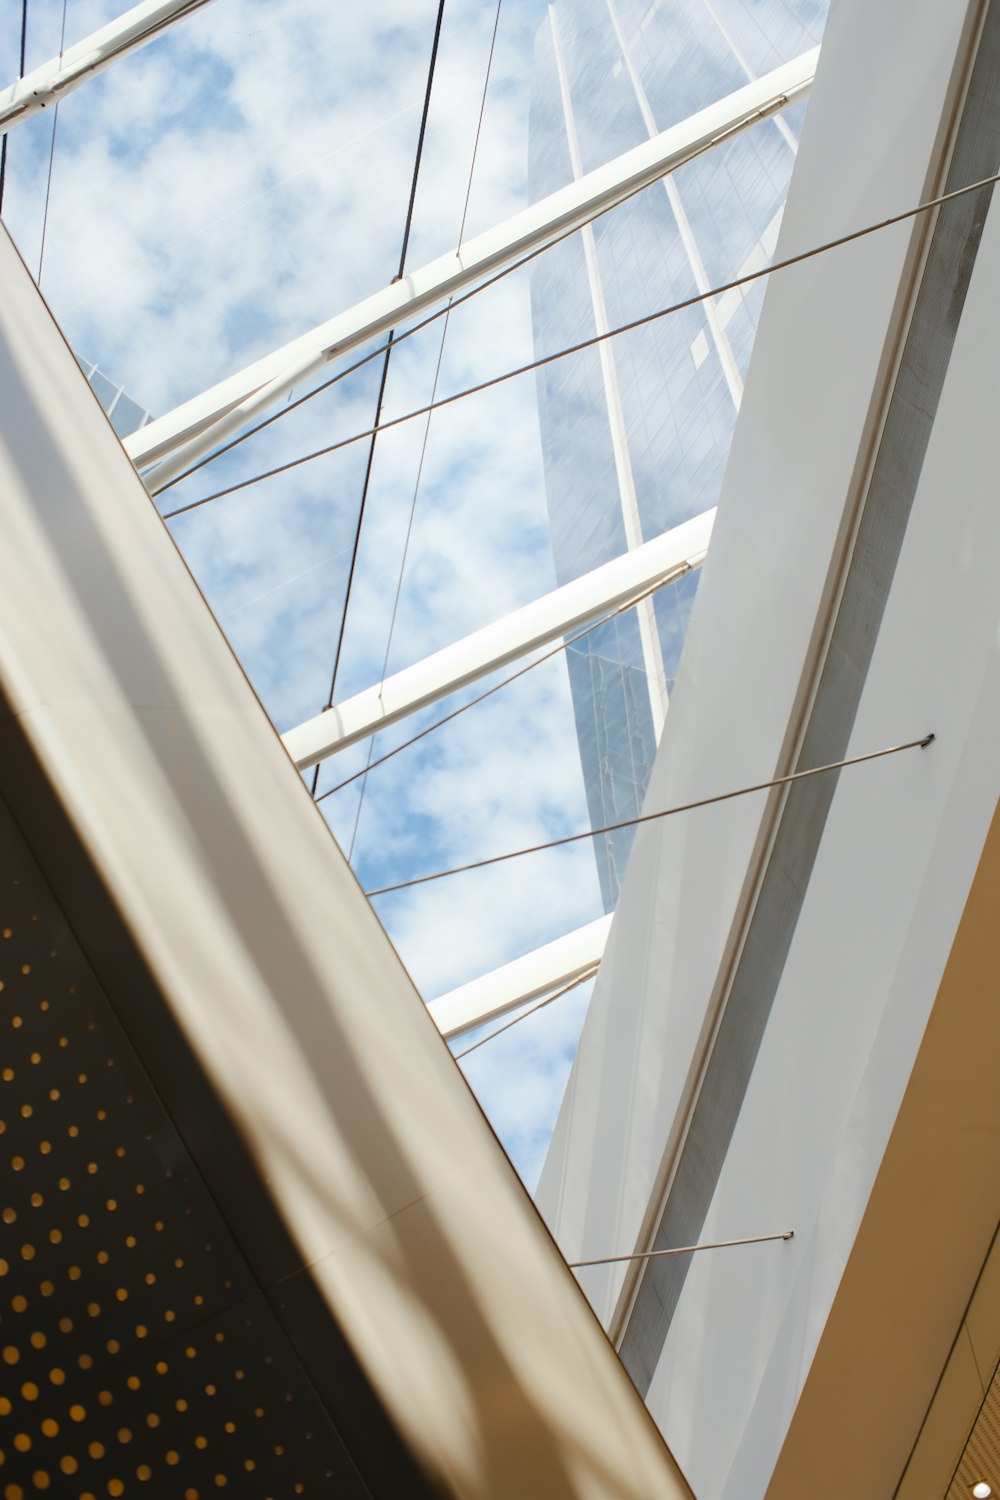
{"x":139,"y":1354}
{"x":980,"y":1461}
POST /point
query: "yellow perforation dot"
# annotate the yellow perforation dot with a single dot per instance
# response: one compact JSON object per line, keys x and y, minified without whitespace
{"x":29,"y":1391}
{"x":115,"y":1487}
{"x":68,"y":1464}
{"x":143,"y":1472}
{"x":22,"y":1442}
{"x":172,"y":1456}
{"x":201,"y":1442}
{"x":96,"y":1450}
{"x":57,"y":1376}
{"x":19,"y":1303}
{"x":11,"y":1355}
{"x":105,"y":1398}
{"x":38,"y":1340}
{"x":40,"y":1479}
{"x":78,"y":1412}
{"x":50,"y":1427}
{"x":124,"y":1435}
{"x":84,"y":1361}
{"x":65,"y":1325}
{"x":133,"y":1382}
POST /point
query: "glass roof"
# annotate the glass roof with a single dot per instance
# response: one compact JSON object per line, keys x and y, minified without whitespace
{"x":245,"y":177}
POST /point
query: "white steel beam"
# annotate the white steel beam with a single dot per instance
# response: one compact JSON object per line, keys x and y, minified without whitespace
{"x":524,"y":630}
{"x":59,"y":76}
{"x":190,"y":431}
{"x":526,"y":978}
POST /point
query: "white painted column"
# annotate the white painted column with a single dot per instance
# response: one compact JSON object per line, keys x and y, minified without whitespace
{"x":53,"y":80}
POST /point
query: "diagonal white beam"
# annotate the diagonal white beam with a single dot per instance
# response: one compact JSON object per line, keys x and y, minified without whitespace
{"x":524,"y":630}
{"x":190,"y":431}
{"x":59,"y":76}
{"x":526,"y":978}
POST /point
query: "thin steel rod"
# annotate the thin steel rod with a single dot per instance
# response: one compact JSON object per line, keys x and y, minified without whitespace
{"x":610,"y":1260}
{"x":589,"y":343}
{"x":667,"y":812}
{"x":538,"y":1005}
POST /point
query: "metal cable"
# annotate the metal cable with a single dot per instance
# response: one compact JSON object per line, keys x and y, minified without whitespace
{"x":599,"y":338}
{"x":423,"y":452}
{"x":52,"y":157}
{"x":563,"y":645}
{"x":399,"y":589}
{"x":20,"y":74}
{"x":479,"y":127}
{"x":611,"y":1260}
{"x":668,"y":812}
{"x":539,"y":1005}
{"x":377,"y":427}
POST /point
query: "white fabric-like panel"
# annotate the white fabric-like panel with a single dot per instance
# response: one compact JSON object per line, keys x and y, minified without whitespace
{"x":745,"y":1328}
{"x":411,"y":1220}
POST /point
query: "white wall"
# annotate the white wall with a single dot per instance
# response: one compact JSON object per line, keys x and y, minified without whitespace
{"x":903,"y":835}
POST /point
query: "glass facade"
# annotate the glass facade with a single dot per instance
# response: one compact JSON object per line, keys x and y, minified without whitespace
{"x":126,"y":416}
{"x":636,"y":433}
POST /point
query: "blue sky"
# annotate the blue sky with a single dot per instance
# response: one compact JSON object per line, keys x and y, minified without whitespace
{"x":223,"y":190}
